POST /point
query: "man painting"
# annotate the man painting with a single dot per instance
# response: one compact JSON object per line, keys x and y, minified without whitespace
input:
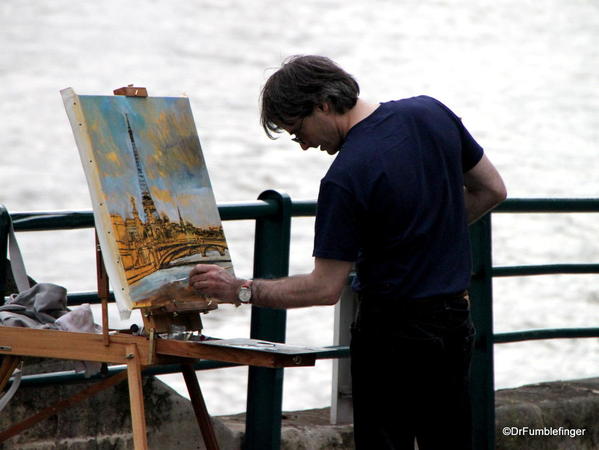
{"x":407,"y":180}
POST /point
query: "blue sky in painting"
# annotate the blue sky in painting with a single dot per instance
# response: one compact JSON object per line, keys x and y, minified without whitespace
{"x":169,"y":150}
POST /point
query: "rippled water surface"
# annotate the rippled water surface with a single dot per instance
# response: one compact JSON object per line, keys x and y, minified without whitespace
{"x":523,"y":76}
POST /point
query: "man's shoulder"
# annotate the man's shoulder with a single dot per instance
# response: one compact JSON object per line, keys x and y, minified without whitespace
{"x":424,"y":111}
{"x":414,"y":103}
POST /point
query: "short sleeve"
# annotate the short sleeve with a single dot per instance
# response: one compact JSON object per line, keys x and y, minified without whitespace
{"x":472,"y":152}
{"x":336,"y":229}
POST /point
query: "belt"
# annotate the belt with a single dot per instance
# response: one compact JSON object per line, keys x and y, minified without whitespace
{"x":390,"y":305}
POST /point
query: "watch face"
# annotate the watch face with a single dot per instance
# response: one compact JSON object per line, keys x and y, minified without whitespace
{"x":245,"y":294}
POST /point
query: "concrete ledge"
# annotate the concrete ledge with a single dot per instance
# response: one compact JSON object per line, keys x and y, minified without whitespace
{"x":302,"y":430}
{"x":552,"y":413}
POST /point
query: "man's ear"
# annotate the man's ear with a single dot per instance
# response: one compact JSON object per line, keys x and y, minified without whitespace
{"x":324,"y":107}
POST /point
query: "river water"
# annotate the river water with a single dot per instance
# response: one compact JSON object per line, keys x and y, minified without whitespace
{"x":523,"y":75}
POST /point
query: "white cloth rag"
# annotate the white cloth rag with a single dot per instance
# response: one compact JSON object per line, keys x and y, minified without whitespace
{"x":81,"y":320}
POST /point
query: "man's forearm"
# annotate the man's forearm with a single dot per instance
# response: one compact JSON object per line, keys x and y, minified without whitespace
{"x":483,"y":189}
{"x":296,"y":291}
{"x":322,"y":286}
{"x":478,"y":204}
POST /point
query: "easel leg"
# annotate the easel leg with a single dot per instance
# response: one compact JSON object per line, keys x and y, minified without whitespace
{"x":136,"y":398}
{"x":7,"y":367}
{"x":103,"y":289}
{"x":199,"y":406}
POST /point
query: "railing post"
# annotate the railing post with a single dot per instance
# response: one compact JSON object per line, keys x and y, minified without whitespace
{"x":265,"y":386}
{"x":4,"y":224}
{"x":342,"y":410}
{"x":481,"y":294}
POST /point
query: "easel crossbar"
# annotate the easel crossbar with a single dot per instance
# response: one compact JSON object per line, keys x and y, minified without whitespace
{"x":68,"y":345}
{"x":62,"y":405}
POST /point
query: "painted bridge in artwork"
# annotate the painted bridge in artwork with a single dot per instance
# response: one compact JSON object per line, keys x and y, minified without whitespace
{"x":140,"y":261}
{"x":169,"y":253}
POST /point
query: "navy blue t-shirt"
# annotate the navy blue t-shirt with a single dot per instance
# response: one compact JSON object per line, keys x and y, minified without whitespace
{"x":393,"y":201}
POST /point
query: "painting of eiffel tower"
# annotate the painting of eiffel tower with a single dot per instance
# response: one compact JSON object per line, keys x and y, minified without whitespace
{"x":155,"y":211}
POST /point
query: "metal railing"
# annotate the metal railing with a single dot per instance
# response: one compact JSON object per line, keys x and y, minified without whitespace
{"x":273,"y":212}
{"x":481,"y":291}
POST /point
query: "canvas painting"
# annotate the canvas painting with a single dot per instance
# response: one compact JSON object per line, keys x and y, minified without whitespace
{"x":154,"y":208}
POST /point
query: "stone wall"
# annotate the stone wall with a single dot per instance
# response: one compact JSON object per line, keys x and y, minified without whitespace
{"x":559,"y":415}
{"x":103,"y":421}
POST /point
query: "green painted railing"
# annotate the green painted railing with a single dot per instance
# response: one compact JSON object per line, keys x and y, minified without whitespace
{"x":481,"y":292}
{"x":273,"y":212}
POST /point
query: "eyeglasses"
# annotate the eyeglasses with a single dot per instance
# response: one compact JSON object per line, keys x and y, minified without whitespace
{"x":296,"y":138}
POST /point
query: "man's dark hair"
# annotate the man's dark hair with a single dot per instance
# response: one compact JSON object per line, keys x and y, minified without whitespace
{"x":301,"y":84}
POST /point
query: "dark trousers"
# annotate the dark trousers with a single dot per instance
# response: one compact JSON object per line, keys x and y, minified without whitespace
{"x":410,"y":370}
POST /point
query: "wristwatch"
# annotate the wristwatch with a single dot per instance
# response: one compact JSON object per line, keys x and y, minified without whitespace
{"x":244,"y":295}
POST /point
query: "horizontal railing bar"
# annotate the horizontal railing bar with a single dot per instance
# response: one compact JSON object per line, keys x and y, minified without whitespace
{"x":57,"y":220}
{"x":548,"y":205}
{"x":78,"y":298}
{"x":52,"y":220}
{"x":544,"y":269}
{"x":65,"y":220}
{"x":247,"y":210}
{"x":550,"y":333}
{"x":303,"y":208}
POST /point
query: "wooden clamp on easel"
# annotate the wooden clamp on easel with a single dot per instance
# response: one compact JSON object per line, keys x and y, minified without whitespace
{"x":131,"y":91}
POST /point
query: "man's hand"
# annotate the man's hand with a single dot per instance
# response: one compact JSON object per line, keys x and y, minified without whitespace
{"x":214,"y":281}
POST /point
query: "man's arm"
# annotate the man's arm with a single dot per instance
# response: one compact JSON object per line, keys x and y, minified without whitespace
{"x":483,"y":189}
{"x":322,"y":286}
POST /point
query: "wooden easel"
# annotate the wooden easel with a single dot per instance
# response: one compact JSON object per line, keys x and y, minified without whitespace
{"x":139,"y":352}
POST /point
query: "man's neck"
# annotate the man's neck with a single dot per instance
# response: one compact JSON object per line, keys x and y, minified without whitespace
{"x":358,"y":113}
